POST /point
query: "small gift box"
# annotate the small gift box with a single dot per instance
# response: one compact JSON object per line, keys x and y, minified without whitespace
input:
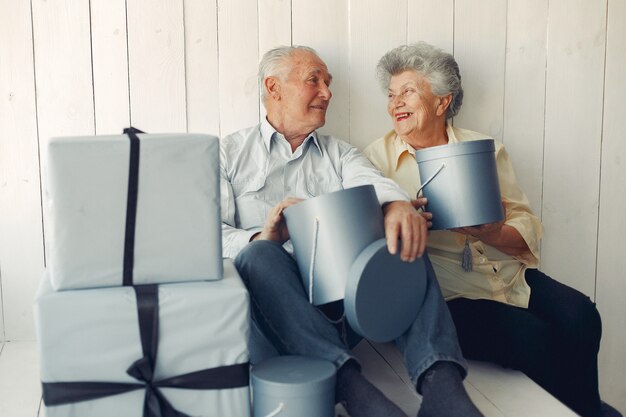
{"x":151,"y":200}
{"x":170,"y":350}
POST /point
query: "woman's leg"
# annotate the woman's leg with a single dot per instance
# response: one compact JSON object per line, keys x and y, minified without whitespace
{"x":574,"y":319}
{"x":555,"y":341}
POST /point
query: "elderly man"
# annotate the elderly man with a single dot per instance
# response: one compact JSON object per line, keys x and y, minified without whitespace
{"x":269,"y":167}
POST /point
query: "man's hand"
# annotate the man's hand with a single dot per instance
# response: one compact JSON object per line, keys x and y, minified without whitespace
{"x":402,"y":221}
{"x":275,"y":227}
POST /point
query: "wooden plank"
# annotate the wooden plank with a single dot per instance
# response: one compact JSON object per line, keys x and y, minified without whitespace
{"x":375,"y":28}
{"x":156,"y":47}
{"x":2,"y":335}
{"x":20,"y":389}
{"x":611,"y":261}
{"x":496,"y":391}
{"x":21,"y":235}
{"x":275,"y":25}
{"x":322,"y":26}
{"x":110,"y":66}
{"x":385,"y":378}
{"x":63,"y":69}
{"x":201,"y":66}
{"x":574,"y":100}
{"x":479,"y":48}
{"x":525,"y":81}
{"x":238,"y":64}
{"x":393,"y":357}
{"x":432,"y":22}
{"x":513,"y":393}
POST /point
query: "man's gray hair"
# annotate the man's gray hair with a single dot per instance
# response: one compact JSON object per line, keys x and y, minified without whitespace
{"x":438,"y":67}
{"x":273,"y":63}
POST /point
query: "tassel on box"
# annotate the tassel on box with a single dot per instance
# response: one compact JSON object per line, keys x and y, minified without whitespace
{"x":467,"y":256}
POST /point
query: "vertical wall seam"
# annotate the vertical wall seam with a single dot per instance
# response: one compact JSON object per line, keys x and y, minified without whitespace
{"x":38,"y":133}
{"x":545,"y":117}
{"x":219,"y":99}
{"x":93,"y":78}
{"x":606,"y":41}
{"x":454,"y":41}
{"x":258,"y":58}
{"x":130,"y":111}
{"x":506,"y":44}
{"x":2,"y":324}
{"x":349,"y":16}
{"x":185,"y":69}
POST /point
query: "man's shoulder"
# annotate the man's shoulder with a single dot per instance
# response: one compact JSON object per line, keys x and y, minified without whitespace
{"x":242,"y":134}
{"x":240,"y":138}
{"x":333,"y":143}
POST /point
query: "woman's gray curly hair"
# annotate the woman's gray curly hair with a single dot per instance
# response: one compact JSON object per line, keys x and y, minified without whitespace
{"x":438,"y":67}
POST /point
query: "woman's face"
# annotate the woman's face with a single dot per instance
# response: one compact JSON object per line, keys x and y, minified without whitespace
{"x":413,"y":107}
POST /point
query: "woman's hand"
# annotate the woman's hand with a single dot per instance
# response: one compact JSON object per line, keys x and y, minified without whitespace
{"x":503,"y":237}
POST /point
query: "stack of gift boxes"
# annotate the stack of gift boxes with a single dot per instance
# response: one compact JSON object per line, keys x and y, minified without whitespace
{"x":137,"y":314}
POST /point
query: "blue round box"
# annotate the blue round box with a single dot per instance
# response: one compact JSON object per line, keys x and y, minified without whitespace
{"x":464,"y":190}
{"x":338,"y":225}
{"x":293,"y":386}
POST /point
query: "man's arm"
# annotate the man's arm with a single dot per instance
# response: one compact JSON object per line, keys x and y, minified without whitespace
{"x":404,"y":223}
{"x":402,"y":220}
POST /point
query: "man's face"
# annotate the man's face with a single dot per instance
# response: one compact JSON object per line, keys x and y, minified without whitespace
{"x":304,"y":95}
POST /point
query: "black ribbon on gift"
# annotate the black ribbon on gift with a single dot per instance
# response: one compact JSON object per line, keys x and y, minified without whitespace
{"x":155,"y":403}
{"x":131,"y":205}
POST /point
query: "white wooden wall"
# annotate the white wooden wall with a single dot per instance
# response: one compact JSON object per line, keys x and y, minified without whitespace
{"x":545,"y":76}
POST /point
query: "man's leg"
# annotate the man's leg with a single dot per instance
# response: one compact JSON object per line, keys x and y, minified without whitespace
{"x":281,"y":310}
{"x":280,"y":307}
{"x":433,"y":356}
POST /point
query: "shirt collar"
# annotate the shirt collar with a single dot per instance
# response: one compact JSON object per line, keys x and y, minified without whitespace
{"x":401,"y":148}
{"x":268,"y":131}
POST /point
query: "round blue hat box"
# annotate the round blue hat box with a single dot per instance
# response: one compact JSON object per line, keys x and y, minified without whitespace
{"x":293,"y":386}
{"x":464,"y":190}
{"x":384,"y":294}
{"x":330,"y":231}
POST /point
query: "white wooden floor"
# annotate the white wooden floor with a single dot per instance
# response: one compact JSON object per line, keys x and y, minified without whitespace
{"x":497,"y":392}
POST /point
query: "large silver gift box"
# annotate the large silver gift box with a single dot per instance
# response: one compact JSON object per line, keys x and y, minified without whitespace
{"x":92,"y":336}
{"x":177,"y":232}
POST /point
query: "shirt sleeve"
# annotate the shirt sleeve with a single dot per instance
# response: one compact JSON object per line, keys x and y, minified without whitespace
{"x":358,"y":170}
{"x":233,"y":239}
{"x":518,"y":212}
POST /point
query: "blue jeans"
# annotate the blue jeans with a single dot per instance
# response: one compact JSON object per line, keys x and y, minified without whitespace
{"x":282,"y":313}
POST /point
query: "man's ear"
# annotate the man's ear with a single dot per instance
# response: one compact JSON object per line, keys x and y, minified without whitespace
{"x":444,"y":103}
{"x":272,"y":87}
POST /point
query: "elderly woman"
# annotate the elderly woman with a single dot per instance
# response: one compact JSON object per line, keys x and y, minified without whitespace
{"x":505,"y":310}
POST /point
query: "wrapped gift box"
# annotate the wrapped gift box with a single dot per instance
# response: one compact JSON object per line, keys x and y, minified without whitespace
{"x":177,"y":235}
{"x":89,"y":338}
